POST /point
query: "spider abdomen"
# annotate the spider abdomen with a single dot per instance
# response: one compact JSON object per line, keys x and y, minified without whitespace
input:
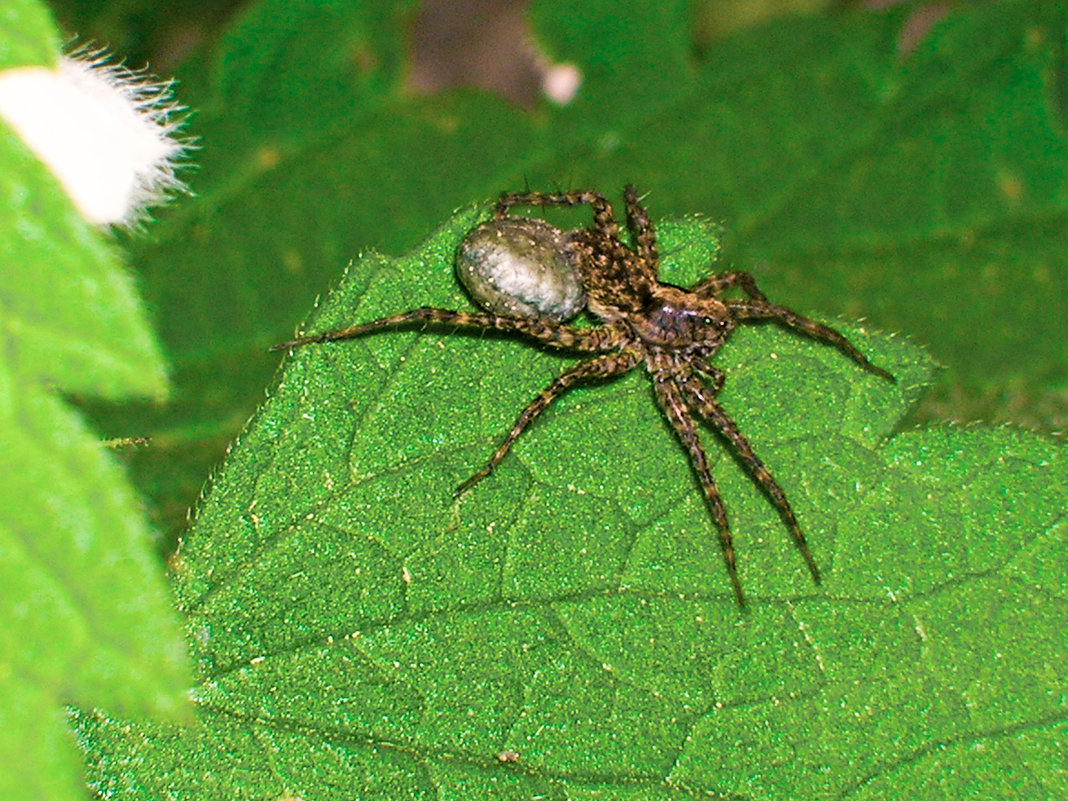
{"x":520,"y":266}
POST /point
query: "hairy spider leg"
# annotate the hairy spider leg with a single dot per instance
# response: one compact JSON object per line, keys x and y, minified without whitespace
{"x":705,"y":405}
{"x":641,"y":226}
{"x":606,"y":366}
{"x":674,"y":405}
{"x":715,"y":285}
{"x":583,"y":340}
{"x":603,"y":217}
{"x":762,"y":310}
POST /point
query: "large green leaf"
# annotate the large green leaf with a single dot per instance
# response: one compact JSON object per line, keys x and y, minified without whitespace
{"x":86,"y":617}
{"x":566,"y":629}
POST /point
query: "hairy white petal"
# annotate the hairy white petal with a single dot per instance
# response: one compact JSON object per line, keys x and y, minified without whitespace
{"x":104,"y":131}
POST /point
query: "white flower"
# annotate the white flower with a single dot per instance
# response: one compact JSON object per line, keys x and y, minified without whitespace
{"x":107,"y":133}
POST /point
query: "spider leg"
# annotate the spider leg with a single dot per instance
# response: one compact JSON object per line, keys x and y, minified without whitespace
{"x":674,"y":405}
{"x":603,"y":216}
{"x":606,"y":366}
{"x":762,"y":310}
{"x":583,"y":340}
{"x":708,"y":408}
{"x":638,"y":222}
{"x":715,"y":285}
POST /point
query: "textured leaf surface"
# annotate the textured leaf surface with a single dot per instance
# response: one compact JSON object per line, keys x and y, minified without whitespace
{"x":86,"y":617}
{"x":924,"y":192}
{"x":359,"y":632}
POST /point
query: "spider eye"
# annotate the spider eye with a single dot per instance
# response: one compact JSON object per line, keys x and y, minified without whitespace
{"x":707,"y":320}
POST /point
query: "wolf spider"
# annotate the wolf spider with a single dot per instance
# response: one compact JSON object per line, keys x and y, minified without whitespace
{"x":674,"y":332}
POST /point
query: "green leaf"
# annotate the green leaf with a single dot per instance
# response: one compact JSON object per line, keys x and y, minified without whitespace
{"x":70,"y":309}
{"x":27,"y":35}
{"x":86,"y":614}
{"x":359,"y":632}
{"x":87,"y":617}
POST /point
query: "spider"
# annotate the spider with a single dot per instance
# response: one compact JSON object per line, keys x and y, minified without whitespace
{"x":673,"y":332}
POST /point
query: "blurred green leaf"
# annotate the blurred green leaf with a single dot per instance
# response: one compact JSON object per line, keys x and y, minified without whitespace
{"x":359,"y":632}
{"x":27,"y":35}
{"x":924,"y":192}
{"x":86,"y":615}
{"x":71,"y":313}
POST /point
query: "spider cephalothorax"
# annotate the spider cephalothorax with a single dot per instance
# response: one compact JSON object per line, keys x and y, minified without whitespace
{"x":673,"y":332}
